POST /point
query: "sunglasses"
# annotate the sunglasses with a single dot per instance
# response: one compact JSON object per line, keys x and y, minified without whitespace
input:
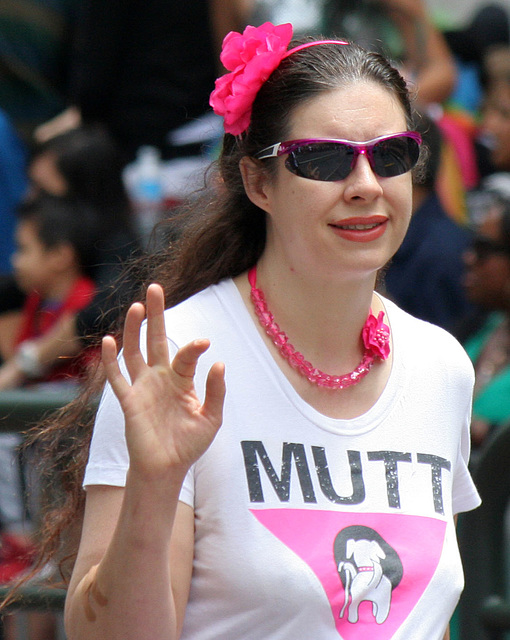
{"x":484,"y":247}
{"x":332,"y":160}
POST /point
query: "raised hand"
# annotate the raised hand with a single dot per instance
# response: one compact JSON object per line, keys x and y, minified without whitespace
{"x":167,"y":428}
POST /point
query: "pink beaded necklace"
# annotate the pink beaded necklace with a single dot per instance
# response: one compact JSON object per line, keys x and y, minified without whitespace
{"x":375,"y":335}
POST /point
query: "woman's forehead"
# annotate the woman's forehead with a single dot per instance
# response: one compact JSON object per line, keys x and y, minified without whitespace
{"x":357,"y":105}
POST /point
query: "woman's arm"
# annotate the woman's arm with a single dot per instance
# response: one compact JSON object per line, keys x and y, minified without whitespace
{"x":133,"y":570}
{"x":131,"y":578}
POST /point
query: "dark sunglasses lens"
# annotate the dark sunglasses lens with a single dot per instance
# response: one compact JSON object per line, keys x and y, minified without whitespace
{"x":395,"y":156}
{"x":321,"y":161}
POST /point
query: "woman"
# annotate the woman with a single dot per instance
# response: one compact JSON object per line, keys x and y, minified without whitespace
{"x":324,"y":506}
{"x":487,"y":283}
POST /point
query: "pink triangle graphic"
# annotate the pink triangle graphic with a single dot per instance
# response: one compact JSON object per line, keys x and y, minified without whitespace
{"x":417,"y":540}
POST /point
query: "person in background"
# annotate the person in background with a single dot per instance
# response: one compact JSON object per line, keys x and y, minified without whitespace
{"x":494,"y":129}
{"x":488,"y":29}
{"x":487,"y":283}
{"x":144,"y":69}
{"x":425,"y":276}
{"x":307,"y":367}
{"x":427,"y":61}
{"x":13,"y":188}
{"x":55,"y":240}
{"x":85,"y":164}
{"x":35,"y":51}
{"x":403,"y":30}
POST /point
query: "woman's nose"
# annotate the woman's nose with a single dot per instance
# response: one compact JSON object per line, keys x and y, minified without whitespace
{"x":362,"y":182}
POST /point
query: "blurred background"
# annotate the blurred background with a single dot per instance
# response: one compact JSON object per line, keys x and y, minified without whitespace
{"x":457,"y":12}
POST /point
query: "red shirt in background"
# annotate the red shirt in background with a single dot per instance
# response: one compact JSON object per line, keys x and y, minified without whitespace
{"x":38,"y":317}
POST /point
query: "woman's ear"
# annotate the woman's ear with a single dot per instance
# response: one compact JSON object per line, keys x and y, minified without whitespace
{"x":256,"y":181}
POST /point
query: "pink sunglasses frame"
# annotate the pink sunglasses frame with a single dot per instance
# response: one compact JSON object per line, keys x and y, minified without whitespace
{"x":359,"y":148}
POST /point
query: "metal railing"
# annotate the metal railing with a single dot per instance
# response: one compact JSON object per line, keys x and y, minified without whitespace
{"x":21,"y":409}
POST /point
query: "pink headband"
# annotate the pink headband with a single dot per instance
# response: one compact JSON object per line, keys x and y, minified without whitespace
{"x":251,"y":57}
{"x":312,"y":44}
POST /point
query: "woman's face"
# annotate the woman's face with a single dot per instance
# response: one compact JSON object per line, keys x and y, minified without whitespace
{"x":348,"y":228}
{"x":487,"y":277}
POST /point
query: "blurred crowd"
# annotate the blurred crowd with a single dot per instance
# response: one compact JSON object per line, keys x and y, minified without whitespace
{"x":105,"y":128}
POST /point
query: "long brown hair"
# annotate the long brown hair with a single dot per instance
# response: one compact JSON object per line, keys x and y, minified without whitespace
{"x":223,"y":234}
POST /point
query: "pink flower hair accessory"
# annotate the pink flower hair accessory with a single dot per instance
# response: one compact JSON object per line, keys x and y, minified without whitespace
{"x":251,"y":57}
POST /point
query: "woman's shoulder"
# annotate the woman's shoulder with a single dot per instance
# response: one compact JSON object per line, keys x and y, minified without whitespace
{"x":423,"y":339}
{"x":206,"y":314}
{"x":407,"y":322}
{"x":218,"y":295}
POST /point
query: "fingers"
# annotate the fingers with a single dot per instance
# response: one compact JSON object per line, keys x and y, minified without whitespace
{"x":133,"y":358}
{"x":131,"y":340}
{"x":157,"y":345}
{"x":185,"y":362}
{"x":114,"y":375}
{"x":215,"y":390}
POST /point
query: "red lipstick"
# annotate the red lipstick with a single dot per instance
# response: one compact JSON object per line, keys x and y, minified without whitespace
{"x":361,"y":228}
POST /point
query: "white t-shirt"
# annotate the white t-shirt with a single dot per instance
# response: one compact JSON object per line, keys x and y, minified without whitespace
{"x":313,"y":528}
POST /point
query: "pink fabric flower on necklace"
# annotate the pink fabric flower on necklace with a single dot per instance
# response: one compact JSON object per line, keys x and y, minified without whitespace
{"x":376,"y":336}
{"x":251,"y":57}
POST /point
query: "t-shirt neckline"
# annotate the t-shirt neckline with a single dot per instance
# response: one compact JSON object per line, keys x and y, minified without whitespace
{"x":360,"y":424}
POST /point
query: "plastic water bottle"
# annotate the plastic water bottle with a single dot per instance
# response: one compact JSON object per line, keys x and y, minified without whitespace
{"x":147,"y":189}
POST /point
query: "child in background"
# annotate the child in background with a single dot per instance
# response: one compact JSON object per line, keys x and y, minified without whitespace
{"x":55,"y":239}
{"x":85,"y":164}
